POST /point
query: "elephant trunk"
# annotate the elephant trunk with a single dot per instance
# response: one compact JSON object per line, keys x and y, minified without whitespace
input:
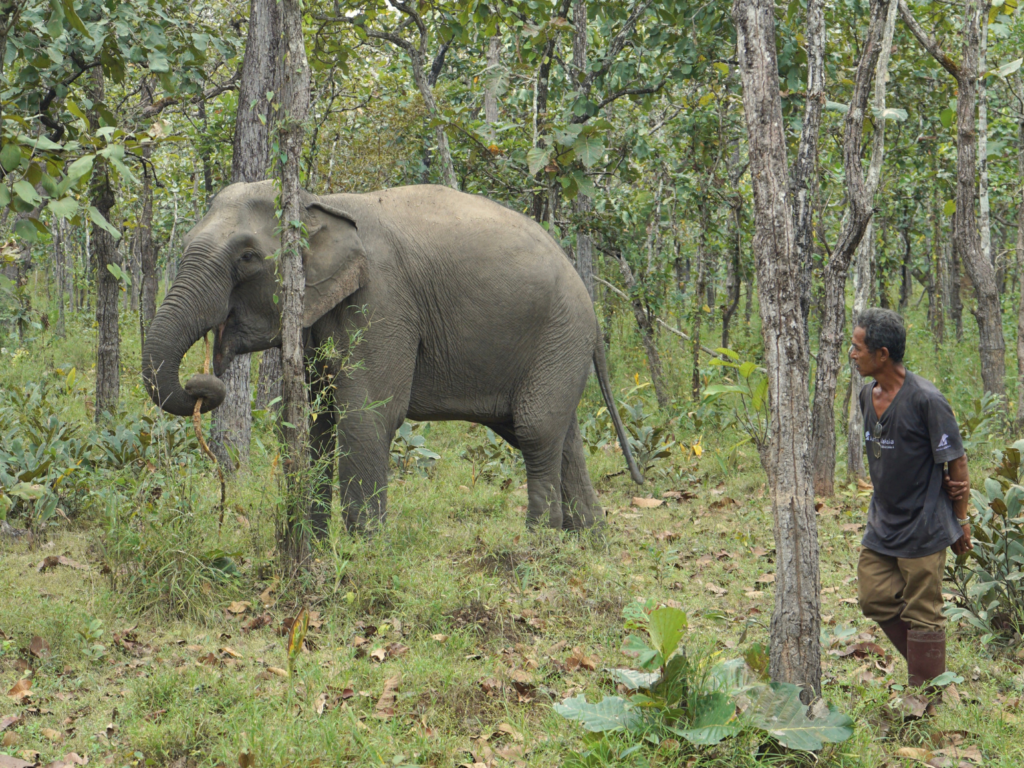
{"x":184,"y":317}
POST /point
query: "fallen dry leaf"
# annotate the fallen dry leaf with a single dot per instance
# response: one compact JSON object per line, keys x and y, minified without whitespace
{"x":277,"y":671}
{"x":385,"y":707}
{"x":51,"y":734}
{"x":971,"y":753}
{"x":39,"y":647}
{"x":915,"y":753}
{"x":716,"y":590}
{"x":646,"y":503}
{"x":21,"y":689}
{"x":321,"y":703}
{"x":256,"y":622}
{"x":6,"y":761}
{"x":509,"y":730}
{"x":666,"y":536}
{"x":52,"y":561}
{"x":439,"y":638}
{"x":579,"y":660}
{"x":859,"y":650}
{"x":853,"y":528}
{"x":379,"y":655}
{"x":231,"y":652}
{"x":239,"y":607}
{"x":9,"y":720}
{"x":913,"y":706}
{"x":765,"y":578}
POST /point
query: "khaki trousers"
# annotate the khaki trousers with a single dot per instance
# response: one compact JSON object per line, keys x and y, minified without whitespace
{"x":907,"y":587}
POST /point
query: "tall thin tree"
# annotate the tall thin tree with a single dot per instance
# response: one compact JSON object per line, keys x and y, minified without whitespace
{"x":231,"y":427}
{"x":795,"y":646}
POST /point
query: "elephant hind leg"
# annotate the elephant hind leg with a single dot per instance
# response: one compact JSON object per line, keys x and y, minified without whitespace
{"x":542,"y":458}
{"x":580,"y":507}
{"x":363,"y":471}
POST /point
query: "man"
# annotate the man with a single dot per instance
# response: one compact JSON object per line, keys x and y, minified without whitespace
{"x":910,"y":433}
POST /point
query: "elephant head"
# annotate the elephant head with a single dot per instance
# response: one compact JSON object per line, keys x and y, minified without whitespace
{"x":227,"y":281}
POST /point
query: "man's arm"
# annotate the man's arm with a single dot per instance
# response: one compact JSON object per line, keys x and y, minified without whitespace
{"x":960,"y":480}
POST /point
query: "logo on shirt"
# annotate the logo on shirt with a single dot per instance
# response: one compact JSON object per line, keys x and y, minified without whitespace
{"x":943,"y":442}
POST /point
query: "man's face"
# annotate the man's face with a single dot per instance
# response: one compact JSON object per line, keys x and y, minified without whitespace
{"x":868,"y":363}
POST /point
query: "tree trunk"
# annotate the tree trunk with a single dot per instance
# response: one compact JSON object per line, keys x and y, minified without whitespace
{"x":873,"y":64}
{"x":699,"y":293}
{"x":906,"y":287}
{"x":582,"y":205}
{"x":988,"y":313}
{"x":108,"y":290}
{"x":734,"y":273}
{"x":59,"y":268}
{"x":231,"y":425}
{"x":939,"y":271}
{"x":1018,"y":89}
{"x":295,"y":105}
{"x":804,"y":177}
{"x":795,"y":625}
{"x":491,"y":80}
{"x":984,"y":205}
{"x":645,"y":324}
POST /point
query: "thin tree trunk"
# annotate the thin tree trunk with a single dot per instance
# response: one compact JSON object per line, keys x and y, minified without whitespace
{"x":582,"y":205}
{"x":795,"y":645}
{"x":1018,"y":91}
{"x":956,"y":303}
{"x":231,"y":425}
{"x":295,"y":104}
{"x":699,"y":294}
{"x":60,"y":267}
{"x":645,"y":324}
{"x":906,"y":287}
{"x":108,"y":290}
{"x":941,"y":278}
{"x":984,"y":205}
{"x":734,"y":273}
{"x":988,"y":313}
{"x":873,"y":64}
{"x":491,"y":80}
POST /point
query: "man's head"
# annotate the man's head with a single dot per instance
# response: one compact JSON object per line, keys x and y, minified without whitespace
{"x":879,"y":340}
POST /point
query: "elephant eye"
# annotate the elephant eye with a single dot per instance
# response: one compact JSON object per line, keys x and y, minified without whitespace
{"x":249,"y":256}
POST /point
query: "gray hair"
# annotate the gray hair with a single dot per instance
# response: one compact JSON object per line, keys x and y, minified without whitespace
{"x":883,"y":328}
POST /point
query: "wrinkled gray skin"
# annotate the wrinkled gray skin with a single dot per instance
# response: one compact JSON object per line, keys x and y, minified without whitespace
{"x":464,"y":310}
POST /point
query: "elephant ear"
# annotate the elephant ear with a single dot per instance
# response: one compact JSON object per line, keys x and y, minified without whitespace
{"x":335,"y":261}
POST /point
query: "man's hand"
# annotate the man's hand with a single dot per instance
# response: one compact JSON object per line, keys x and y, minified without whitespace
{"x":963,"y":544}
{"x":956,"y":489}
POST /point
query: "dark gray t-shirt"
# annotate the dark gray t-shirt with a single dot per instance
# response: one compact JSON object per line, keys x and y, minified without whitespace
{"x":910,"y":515}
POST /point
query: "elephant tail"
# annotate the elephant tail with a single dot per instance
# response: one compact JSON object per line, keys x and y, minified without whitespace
{"x":601,"y":368}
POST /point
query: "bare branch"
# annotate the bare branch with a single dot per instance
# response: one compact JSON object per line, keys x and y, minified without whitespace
{"x":929,"y":43}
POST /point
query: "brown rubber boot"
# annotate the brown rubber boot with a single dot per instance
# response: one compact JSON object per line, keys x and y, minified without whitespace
{"x":926,"y":658}
{"x":896,"y":630}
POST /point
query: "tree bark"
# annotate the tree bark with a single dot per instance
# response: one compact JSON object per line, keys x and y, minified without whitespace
{"x":734,"y":275}
{"x":108,"y":289}
{"x":984,"y":205}
{"x":988,"y":313}
{"x":1018,"y":91}
{"x":295,"y":104}
{"x":873,"y":64}
{"x":939,"y":270}
{"x":231,"y":424}
{"x":60,"y":268}
{"x":582,"y":205}
{"x":491,"y":80}
{"x":795,"y":645}
{"x":700,"y":292}
{"x":804,"y":176}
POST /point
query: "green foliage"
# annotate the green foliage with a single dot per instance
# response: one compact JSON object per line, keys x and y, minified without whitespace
{"x":982,"y":421}
{"x":747,"y":397}
{"x":409,"y":453}
{"x":989,"y":576}
{"x":674,"y":694}
{"x":494,"y":461}
{"x":88,"y":639}
{"x":647,"y":442}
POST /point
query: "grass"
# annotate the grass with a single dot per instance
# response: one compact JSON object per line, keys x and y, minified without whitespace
{"x":475,"y":623}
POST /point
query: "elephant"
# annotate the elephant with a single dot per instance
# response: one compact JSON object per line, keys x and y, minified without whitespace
{"x":443,"y":305}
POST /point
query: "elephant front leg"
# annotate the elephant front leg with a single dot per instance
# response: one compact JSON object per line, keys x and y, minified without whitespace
{"x":363,"y":471}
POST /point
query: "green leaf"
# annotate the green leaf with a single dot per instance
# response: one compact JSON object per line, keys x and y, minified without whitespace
{"x":613,"y":713}
{"x":947,"y":116}
{"x":26,"y":231}
{"x":115,"y":154}
{"x":946,"y":678}
{"x":537,"y":158}
{"x":714,"y":716}
{"x":72,"y":17}
{"x":949,"y":208}
{"x":10,"y":157}
{"x":891,"y":113}
{"x":80,"y":168}
{"x":837,"y":106}
{"x":1007,"y":69}
{"x":747,"y":368}
{"x":666,"y":628}
{"x":777,"y":709}
{"x":723,"y":389}
{"x":158,"y":62}
{"x":589,"y":149}
{"x":6,"y":505}
{"x":728,"y":353}
{"x":28,"y":491}
{"x":64,"y":208}
{"x":102,"y":223}
{"x":5,"y":196}
{"x":27,"y":193}
{"x":634,"y":679}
